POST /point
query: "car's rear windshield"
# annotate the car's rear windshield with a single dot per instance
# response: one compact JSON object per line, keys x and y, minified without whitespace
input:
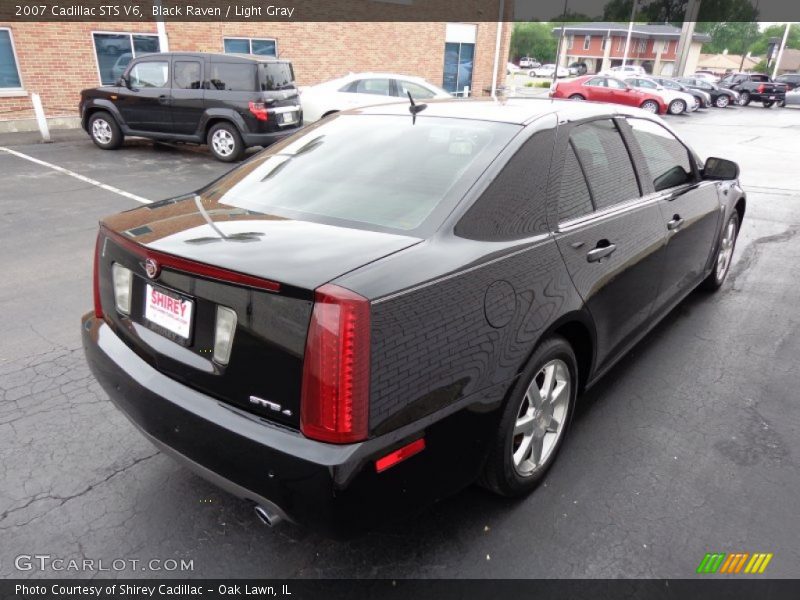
{"x":275,"y":76}
{"x":378,"y":171}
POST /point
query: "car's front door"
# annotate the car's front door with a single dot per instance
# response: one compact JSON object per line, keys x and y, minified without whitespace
{"x":188,"y":95}
{"x":596,"y":89}
{"x":612,"y":239}
{"x":145,"y":102}
{"x":690,"y":207}
{"x":620,"y":93}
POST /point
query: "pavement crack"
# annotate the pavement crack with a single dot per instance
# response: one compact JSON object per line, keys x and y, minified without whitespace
{"x":751,"y":252}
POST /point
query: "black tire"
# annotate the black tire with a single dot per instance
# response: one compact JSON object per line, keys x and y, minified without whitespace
{"x":768,"y":103}
{"x":576,"y":97}
{"x":650,"y":106}
{"x":104,"y":131}
{"x":677,"y":107}
{"x":225,"y":143}
{"x":722,"y":101}
{"x":717,"y":277}
{"x":744,"y":99}
{"x":501,"y":475}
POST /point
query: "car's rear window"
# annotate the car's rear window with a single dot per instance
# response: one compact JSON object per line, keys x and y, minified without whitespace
{"x":275,"y":76}
{"x":373,"y":170}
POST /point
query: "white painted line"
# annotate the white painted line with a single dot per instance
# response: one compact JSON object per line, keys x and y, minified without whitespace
{"x":94,"y":182}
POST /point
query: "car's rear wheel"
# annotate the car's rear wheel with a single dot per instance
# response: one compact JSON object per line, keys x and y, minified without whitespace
{"x":650,"y":106}
{"x":104,"y":131}
{"x":722,"y":101}
{"x":724,"y":256}
{"x":744,"y":99}
{"x":225,"y":142}
{"x":677,"y":107}
{"x":576,"y":97}
{"x":768,"y":103}
{"x":534,"y":421}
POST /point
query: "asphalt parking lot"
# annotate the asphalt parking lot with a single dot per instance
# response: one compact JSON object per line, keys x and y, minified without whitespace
{"x":690,"y":445}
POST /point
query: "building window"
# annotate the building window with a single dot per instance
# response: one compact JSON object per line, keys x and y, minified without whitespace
{"x":621,"y":44}
{"x":9,"y":69}
{"x":459,"y":57}
{"x":259,"y":46}
{"x":115,"y":50}
{"x":570,"y":41}
{"x":587,"y":40}
{"x":642,"y":46}
{"x":604,"y":45}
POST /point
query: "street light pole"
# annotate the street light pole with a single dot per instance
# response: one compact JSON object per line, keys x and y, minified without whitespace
{"x":780,"y":52}
{"x":630,"y":30}
{"x":558,"y":48}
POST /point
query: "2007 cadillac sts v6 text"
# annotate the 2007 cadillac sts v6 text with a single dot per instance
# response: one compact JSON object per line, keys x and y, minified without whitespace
{"x":380,"y":310}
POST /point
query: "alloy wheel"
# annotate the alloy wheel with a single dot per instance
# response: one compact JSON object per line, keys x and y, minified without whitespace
{"x":650,"y":106}
{"x":101,"y":130}
{"x":541,"y":418}
{"x":726,"y":250}
{"x":223,"y":142}
{"x":722,"y":101}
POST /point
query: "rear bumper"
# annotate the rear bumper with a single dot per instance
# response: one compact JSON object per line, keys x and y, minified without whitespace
{"x":265,"y":139}
{"x":332,"y":488}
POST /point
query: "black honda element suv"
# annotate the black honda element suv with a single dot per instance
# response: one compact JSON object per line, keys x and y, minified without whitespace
{"x":228,"y":101}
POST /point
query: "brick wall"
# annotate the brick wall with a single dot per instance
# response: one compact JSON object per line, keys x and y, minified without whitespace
{"x":57,"y":60}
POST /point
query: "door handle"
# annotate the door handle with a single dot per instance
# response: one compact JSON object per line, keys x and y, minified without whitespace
{"x":601,"y":251}
{"x":675,"y":223}
{"x":163,"y":99}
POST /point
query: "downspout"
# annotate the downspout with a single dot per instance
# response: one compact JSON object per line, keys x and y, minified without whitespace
{"x":497,"y":48}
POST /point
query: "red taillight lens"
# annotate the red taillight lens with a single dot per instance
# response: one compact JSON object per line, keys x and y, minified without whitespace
{"x":334,"y":405}
{"x":761,"y":89}
{"x":259,"y":110}
{"x":98,"y":306}
{"x":399,"y":455}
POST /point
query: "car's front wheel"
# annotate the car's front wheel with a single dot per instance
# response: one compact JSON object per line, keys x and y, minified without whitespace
{"x":724,"y":256}
{"x":534,"y":421}
{"x":677,"y":107}
{"x":105,"y":132}
{"x":722,"y":101}
{"x":225,"y":142}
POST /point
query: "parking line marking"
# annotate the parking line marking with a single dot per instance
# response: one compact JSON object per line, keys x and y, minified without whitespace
{"x":94,"y":182}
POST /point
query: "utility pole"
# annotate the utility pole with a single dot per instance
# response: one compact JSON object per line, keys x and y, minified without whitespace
{"x":780,"y":52}
{"x":687,"y":33}
{"x":630,"y":30}
{"x":558,"y":48}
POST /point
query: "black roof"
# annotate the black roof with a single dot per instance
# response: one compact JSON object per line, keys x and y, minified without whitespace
{"x":228,"y":57}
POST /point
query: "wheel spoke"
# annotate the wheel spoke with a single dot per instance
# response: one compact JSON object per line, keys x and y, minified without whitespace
{"x":524,"y":425}
{"x":522,"y":451}
{"x":546,"y":390}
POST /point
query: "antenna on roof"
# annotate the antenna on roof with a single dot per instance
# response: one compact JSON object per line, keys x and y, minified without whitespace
{"x":415,"y":108}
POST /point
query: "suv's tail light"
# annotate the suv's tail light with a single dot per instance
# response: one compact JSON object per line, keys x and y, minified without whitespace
{"x":335,"y":399}
{"x":761,"y":88}
{"x":98,"y":307}
{"x":259,"y":110}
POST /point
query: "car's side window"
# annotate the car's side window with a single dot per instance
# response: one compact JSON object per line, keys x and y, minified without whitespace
{"x":574,"y":199}
{"x":150,"y":74}
{"x":514,"y":205}
{"x":615,"y":83}
{"x":604,"y":159}
{"x":596,"y":81}
{"x":233,"y":77}
{"x":417,"y":91}
{"x":667,"y":158}
{"x":379,"y":87}
{"x":186,"y":75}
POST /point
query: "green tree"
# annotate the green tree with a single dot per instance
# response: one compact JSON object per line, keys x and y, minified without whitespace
{"x":734,"y":36}
{"x":533,"y":39}
{"x":776,"y":31}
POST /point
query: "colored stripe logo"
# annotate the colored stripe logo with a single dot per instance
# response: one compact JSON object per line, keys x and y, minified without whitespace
{"x":734,"y":563}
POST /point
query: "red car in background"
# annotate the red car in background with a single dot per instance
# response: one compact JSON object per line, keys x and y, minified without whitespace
{"x":599,"y":88}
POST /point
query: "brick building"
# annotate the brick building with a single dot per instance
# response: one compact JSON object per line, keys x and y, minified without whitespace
{"x":57,"y":60}
{"x":602,"y":46}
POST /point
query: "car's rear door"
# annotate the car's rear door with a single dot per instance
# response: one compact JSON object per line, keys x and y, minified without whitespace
{"x":188,"y":95}
{"x":612,"y":239}
{"x":690,"y":207}
{"x":595,"y":89}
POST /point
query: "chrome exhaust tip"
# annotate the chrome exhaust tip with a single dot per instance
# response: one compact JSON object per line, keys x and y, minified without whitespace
{"x":267,"y":515}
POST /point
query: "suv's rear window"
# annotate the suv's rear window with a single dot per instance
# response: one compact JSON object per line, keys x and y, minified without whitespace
{"x":375,"y":170}
{"x":233,"y":77}
{"x":275,"y":76}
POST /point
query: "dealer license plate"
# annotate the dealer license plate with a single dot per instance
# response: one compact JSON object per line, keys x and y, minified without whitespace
{"x":169,"y":311}
{"x":288,"y":117}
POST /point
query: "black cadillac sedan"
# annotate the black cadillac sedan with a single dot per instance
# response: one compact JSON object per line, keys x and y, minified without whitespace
{"x":384,"y":308}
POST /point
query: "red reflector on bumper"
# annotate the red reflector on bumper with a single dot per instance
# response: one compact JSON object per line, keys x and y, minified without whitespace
{"x":400,"y":455}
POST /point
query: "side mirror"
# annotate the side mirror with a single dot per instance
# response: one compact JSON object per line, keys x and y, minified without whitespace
{"x":720,"y":168}
{"x":124,"y":82}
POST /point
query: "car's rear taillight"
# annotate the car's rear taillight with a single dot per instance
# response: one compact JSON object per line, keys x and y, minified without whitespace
{"x":98,"y":306}
{"x":761,"y":88}
{"x":335,"y":398}
{"x":259,"y":110}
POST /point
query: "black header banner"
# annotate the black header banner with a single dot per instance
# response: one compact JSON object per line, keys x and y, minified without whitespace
{"x":673,"y":11}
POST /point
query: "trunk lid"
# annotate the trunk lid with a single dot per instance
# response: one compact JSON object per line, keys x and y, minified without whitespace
{"x":209,"y":255}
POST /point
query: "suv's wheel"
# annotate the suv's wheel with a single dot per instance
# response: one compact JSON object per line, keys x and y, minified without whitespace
{"x":225,"y":142}
{"x":105,"y":132}
{"x":744,"y":99}
{"x":722,"y":101}
{"x":722,"y":264}
{"x":650,"y":106}
{"x":534,"y":421}
{"x":677,"y":107}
